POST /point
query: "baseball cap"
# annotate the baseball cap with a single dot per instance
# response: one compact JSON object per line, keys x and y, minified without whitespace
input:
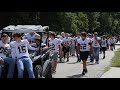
{"x":95,"y":33}
{"x":37,"y":37}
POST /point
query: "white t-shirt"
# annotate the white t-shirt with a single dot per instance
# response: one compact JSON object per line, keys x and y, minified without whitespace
{"x":114,"y":39}
{"x":55,"y":43}
{"x":20,"y":49}
{"x":3,"y":48}
{"x":84,"y":45}
{"x":44,"y":40}
{"x":61,"y":37}
{"x":77,"y":40}
{"x":29,"y":37}
{"x":67,"y":41}
{"x":95,"y":43}
{"x":111,"y":41}
{"x":73,"y":41}
{"x":104,"y":43}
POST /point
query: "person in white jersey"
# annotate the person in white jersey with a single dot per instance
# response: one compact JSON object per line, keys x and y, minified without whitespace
{"x":60,"y":54}
{"x":72,"y":46}
{"x":111,"y":42}
{"x":4,"y":53}
{"x":20,"y":52}
{"x":56,"y":44}
{"x":84,"y":46}
{"x":66,"y":45}
{"x":104,"y":45}
{"x":30,"y":37}
{"x":115,"y":40}
{"x":91,"y":55}
{"x":96,"y":47}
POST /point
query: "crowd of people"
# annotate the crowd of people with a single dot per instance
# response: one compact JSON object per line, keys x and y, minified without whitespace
{"x":81,"y":45}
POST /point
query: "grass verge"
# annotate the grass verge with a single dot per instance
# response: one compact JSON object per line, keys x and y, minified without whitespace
{"x":115,"y":62}
{"x":107,"y":69}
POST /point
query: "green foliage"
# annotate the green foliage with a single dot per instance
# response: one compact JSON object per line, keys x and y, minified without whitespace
{"x":72,"y":22}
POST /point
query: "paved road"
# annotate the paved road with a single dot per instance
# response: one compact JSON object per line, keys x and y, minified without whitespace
{"x":72,"y":69}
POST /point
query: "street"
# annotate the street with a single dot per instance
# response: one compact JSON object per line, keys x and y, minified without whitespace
{"x":72,"y":69}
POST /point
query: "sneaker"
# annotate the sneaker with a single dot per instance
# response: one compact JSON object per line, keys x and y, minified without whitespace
{"x":97,"y":62}
{"x":78,"y":60}
{"x":67,"y":60}
{"x":84,"y":71}
{"x":104,"y":57}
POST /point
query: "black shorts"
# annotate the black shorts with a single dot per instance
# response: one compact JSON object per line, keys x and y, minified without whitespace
{"x":111,"y":44}
{"x":66,"y":49}
{"x":104,"y":48}
{"x":100,"y":48}
{"x":84,"y":55}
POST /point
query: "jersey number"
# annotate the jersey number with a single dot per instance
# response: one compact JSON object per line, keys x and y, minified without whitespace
{"x":22,"y":49}
{"x":2,"y":49}
{"x":95,"y":43}
{"x":83,"y":47}
{"x":103,"y":42}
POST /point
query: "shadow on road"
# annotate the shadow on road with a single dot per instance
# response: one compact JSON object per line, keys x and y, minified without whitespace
{"x":72,"y":63}
{"x":90,"y":63}
{"x":75,"y":76}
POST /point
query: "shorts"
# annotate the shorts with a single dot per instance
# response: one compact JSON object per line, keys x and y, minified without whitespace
{"x":84,"y":55}
{"x":111,"y":44}
{"x":104,"y":48}
{"x":55,"y":56}
{"x":66,"y":49}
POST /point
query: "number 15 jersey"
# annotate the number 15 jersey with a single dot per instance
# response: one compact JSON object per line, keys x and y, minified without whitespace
{"x":84,"y":44}
{"x":20,"y":49}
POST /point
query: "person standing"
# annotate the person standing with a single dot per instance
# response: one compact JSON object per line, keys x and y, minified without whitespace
{"x":104,"y":43}
{"x":84,"y":46}
{"x":19,"y":51}
{"x":4,"y":59}
{"x":96,"y":47}
{"x":66,"y":46}
{"x":56,"y":44}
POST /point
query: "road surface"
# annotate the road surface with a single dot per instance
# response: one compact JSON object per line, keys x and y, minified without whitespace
{"x":72,"y":69}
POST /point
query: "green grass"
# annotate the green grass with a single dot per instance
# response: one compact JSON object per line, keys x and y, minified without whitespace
{"x":115,"y":62}
{"x":107,"y":69}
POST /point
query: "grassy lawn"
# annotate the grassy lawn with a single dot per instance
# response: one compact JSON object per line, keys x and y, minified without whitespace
{"x":107,"y":69}
{"x":115,"y":62}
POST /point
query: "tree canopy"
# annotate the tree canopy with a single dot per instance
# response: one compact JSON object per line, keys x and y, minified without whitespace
{"x":72,"y":22}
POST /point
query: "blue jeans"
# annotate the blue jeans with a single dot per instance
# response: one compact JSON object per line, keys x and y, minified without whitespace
{"x":11,"y":63}
{"x":96,"y":53}
{"x":27,"y":63}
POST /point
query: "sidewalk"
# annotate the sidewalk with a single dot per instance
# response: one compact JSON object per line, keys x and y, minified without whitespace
{"x":114,"y":72}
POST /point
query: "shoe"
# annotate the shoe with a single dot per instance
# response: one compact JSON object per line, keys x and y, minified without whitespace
{"x":67,"y":60}
{"x":104,"y":57}
{"x":84,"y":71}
{"x":97,"y":62}
{"x":78,"y":60}
{"x":91,"y":61}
